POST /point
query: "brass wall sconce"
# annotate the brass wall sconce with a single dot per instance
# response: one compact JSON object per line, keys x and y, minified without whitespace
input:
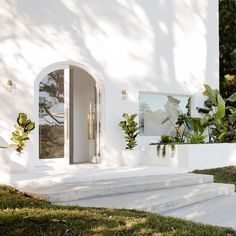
{"x":10,"y":86}
{"x":123,"y":94}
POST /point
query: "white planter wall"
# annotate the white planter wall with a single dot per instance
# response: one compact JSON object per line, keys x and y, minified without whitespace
{"x":192,"y":156}
{"x":204,"y":156}
{"x":149,"y":157}
{"x":12,"y":162}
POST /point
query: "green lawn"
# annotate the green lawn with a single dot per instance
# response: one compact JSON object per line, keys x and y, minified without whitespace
{"x":24,"y":215}
{"x":221,"y":175}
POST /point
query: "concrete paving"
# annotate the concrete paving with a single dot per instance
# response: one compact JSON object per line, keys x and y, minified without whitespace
{"x":219,"y":211}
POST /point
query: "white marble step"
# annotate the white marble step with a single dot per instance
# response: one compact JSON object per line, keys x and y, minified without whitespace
{"x":84,"y":173}
{"x":157,"y":201}
{"x":219,"y":211}
{"x":76,"y":191}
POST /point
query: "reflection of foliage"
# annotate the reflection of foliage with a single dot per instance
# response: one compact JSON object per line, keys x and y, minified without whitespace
{"x":53,"y":87}
{"x":51,"y":113}
{"x":163,"y":106}
{"x":188,"y":107}
{"x":51,"y":141}
{"x":144,"y":107}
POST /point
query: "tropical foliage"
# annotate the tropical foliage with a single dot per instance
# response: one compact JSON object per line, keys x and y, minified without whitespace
{"x":219,"y":119}
{"x":217,"y":123}
{"x":227,"y":32}
{"x":130,"y":128}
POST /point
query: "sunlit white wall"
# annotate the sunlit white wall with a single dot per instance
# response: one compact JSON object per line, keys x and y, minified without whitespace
{"x":155,"y":45}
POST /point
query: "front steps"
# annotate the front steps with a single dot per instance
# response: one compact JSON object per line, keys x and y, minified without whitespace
{"x":86,"y":173}
{"x":157,"y":201}
{"x":148,"y":193}
{"x":218,"y":211}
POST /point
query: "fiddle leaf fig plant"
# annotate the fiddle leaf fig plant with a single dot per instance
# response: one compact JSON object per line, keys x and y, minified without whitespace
{"x":130,"y":128}
{"x":21,"y":134}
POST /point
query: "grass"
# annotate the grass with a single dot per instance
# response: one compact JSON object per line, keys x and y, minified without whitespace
{"x":221,"y":175}
{"x":21,"y":214}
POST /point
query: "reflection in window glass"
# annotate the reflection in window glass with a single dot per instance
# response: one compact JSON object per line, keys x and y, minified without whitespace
{"x":51,"y":116}
{"x":155,"y":108}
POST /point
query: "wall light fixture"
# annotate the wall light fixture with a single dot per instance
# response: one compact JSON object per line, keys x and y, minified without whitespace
{"x":123,"y":94}
{"x":9,"y":86}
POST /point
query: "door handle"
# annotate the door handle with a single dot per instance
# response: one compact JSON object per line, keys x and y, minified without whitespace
{"x":89,"y":125}
{"x":67,"y":124}
{"x":91,"y":132}
{"x":93,"y":128}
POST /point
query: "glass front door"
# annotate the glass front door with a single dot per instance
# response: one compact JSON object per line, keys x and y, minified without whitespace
{"x":69,"y":116}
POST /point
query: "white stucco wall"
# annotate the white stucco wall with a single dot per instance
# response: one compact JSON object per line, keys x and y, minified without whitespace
{"x":156,"y":45}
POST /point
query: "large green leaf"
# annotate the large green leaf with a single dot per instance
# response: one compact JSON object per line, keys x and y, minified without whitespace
{"x":196,"y":124}
{"x":232,"y":98}
{"x":220,"y":107}
{"x":203,"y":110}
{"x":30,"y":126}
{"x":126,"y":116}
{"x":233,"y":116}
{"x":22,"y":118}
{"x":132,"y":117}
{"x":208,"y":90}
{"x":208,"y":103}
{"x":205,"y":119}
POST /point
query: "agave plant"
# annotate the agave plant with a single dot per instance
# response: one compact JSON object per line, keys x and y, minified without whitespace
{"x":20,"y":135}
{"x":196,"y":138}
{"x":130,"y":128}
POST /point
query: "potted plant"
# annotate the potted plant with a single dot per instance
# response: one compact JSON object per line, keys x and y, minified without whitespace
{"x":130,"y":155}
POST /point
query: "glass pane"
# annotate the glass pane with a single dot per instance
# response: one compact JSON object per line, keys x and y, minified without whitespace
{"x":51,"y":116}
{"x":155,"y":108}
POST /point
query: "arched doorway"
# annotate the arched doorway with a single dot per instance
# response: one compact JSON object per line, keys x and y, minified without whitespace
{"x":69,"y":115}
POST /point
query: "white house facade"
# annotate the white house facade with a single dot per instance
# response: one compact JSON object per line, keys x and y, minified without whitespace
{"x":77,"y":65}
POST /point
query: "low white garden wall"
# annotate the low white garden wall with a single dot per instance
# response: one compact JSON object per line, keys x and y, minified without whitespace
{"x":10,"y":163}
{"x":191,"y":156}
